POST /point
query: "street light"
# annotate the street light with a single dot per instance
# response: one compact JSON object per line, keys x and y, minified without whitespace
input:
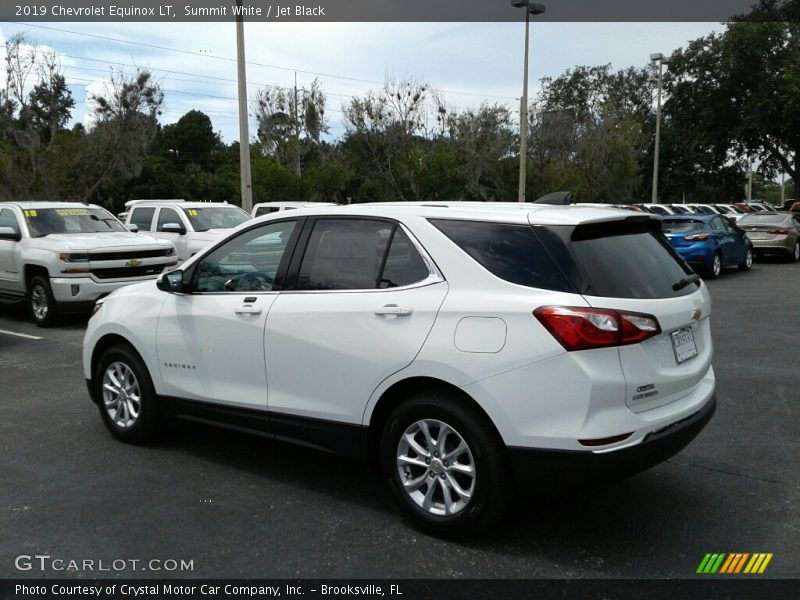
{"x":531,"y":8}
{"x":661,"y":60}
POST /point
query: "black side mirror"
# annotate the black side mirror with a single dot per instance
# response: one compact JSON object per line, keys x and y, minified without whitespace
{"x":171,"y":282}
{"x":9,"y":233}
{"x":174,"y":228}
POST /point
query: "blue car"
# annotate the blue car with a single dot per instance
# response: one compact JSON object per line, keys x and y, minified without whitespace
{"x":708,"y":243}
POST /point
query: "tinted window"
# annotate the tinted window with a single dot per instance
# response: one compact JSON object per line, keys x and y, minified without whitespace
{"x":265,"y":210}
{"x":44,"y":221}
{"x":511,"y":252}
{"x":143,"y":218}
{"x":167,"y":215}
{"x":717,"y":225}
{"x":681,"y":225}
{"x":247,"y":263}
{"x":7,"y":219}
{"x":404,"y":265}
{"x":659,"y":210}
{"x":344,"y":254}
{"x":619,"y":259}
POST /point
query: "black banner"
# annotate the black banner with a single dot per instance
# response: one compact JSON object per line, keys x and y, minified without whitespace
{"x":439,"y":589}
{"x":372,"y":10}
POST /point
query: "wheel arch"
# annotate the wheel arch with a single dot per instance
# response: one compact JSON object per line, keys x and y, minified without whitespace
{"x":104,"y":343}
{"x":399,"y":391}
{"x":34,"y":270}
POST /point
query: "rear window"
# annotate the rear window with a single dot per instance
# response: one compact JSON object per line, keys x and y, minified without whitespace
{"x":681,"y":225}
{"x":763,"y":218}
{"x":513,"y":253}
{"x":618,"y":259}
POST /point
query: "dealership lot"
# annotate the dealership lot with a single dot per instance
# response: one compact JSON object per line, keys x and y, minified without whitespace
{"x":241,"y":506}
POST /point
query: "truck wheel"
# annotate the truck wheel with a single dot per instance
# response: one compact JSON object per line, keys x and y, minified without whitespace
{"x":41,"y":303}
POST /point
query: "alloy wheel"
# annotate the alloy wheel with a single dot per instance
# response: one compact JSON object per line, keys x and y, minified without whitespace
{"x":436,"y":467}
{"x":121,"y":395}
{"x":39,"y":303}
{"x":717,"y":266}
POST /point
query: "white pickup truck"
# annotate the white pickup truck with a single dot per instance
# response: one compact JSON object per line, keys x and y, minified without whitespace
{"x":61,"y":257}
{"x":191,"y":226}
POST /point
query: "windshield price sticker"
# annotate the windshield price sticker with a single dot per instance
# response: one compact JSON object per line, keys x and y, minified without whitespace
{"x":192,"y":212}
{"x":72,"y":212}
{"x":683,"y":344}
{"x":29,"y":214}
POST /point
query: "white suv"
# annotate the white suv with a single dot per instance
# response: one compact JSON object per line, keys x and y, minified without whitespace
{"x":469,"y":349}
{"x":191,"y":226}
{"x":62,"y":256}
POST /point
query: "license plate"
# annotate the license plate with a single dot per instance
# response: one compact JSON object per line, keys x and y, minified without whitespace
{"x":683,"y":344}
{"x":756,"y":235}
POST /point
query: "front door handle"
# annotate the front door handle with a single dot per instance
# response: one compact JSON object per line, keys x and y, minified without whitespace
{"x":397,"y":311}
{"x":248,"y":310}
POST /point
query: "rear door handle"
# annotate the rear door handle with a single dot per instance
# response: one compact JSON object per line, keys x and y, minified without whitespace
{"x":248,"y":310}
{"x":397,"y":311}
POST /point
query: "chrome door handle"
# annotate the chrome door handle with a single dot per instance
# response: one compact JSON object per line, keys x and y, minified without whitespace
{"x":248,"y":310}
{"x":397,"y":311}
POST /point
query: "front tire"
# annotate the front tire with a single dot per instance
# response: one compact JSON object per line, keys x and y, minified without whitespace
{"x":125,"y":396}
{"x":446,"y":464}
{"x":41,"y":302}
{"x":748,"y":261}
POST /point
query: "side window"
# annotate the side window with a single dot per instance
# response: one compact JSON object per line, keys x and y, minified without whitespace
{"x":716,"y":224}
{"x":143,"y":218}
{"x":511,"y":252}
{"x":167,"y":215}
{"x":344,"y":254}
{"x":265,"y":210}
{"x":404,"y":265}
{"x":7,"y":219}
{"x":247,"y":263}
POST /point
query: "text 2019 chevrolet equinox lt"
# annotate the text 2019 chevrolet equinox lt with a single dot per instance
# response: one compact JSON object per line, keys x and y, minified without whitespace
{"x":469,"y":349}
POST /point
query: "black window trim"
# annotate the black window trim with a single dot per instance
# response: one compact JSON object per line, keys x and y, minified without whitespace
{"x":434,"y":273}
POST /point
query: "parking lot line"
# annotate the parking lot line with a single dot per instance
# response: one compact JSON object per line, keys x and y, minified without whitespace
{"x":22,"y":335}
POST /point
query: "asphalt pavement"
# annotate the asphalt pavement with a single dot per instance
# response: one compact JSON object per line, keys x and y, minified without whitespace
{"x":241,"y":506}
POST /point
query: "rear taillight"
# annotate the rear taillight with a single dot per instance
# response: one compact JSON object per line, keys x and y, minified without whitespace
{"x":578,"y":328}
{"x":779,"y":231}
{"x":698,"y":237}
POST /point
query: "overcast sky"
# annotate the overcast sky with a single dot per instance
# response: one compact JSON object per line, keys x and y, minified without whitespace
{"x":470,"y":62}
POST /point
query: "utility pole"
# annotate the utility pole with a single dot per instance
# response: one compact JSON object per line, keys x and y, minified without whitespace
{"x":244,"y":129}
{"x":750,"y":181}
{"x":661,"y":60}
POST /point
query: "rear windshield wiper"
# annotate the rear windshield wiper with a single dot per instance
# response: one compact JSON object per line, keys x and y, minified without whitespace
{"x":688,"y":280}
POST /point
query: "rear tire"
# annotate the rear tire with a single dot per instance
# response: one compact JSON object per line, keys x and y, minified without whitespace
{"x":795,"y":254}
{"x":446,"y":464}
{"x":748,"y":261}
{"x":125,"y":396}
{"x":41,"y":302}
{"x":715,"y":269}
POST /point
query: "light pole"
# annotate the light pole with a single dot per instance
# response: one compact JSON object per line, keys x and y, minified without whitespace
{"x":531,"y":8}
{"x":661,"y":60}
{"x":244,"y":133}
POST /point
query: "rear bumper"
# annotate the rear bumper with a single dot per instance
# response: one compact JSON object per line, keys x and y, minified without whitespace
{"x":536,"y":470}
{"x":696,"y":254}
{"x":778,"y":245}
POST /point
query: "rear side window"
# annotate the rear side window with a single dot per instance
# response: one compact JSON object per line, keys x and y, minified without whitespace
{"x":265,"y":210}
{"x":142,"y":218}
{"x":618,"y":259}
{"x":511,"y":252}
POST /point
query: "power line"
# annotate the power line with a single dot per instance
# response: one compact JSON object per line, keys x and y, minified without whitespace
{"x":258,"y":64}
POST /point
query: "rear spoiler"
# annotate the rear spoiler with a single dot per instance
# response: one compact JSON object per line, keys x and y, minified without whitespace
{"x":555,"y":199}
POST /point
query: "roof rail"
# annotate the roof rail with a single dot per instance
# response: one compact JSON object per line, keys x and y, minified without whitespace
{"x":144,"y":201}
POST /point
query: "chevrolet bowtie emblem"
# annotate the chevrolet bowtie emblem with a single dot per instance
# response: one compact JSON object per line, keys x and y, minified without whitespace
{"x":134,"y":263}
{"x":698,"y":312}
